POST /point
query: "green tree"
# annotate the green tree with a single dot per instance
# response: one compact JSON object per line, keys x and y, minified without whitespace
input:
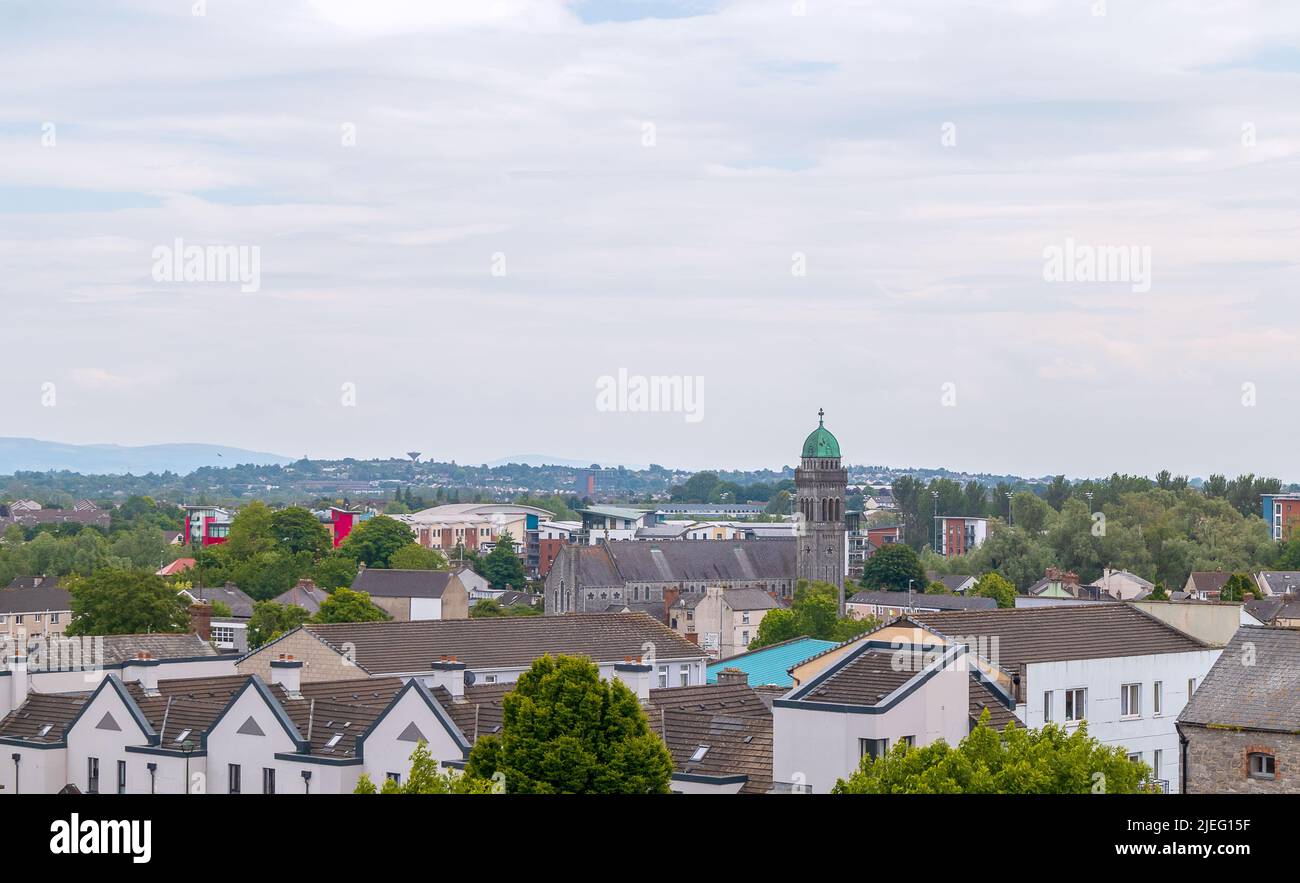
{"x":814,"y":614}
{"x":334,"y":571}
{"x":373,"y":541}
{"x":937,"y":588}
{"x":297,"y":530}
{"x":892,"y":567}
{"x":251,"y":532}
{"x":345,"y":605}
{"x":270,"y":620}
{"x":566,"y":731}
{"x":1239,"y":587}
{"x":993,"y":585}
{"x":113,"y":601}
{"x":1015,"y":761}
{"x":502,"y":567}
{"x":1158,"y":593}
{"x":413,"y":556}
{"x":425,"y":777}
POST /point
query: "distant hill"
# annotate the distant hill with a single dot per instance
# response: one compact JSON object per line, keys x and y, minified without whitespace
{"x":34,"y":455}
{"x":548,"y":460}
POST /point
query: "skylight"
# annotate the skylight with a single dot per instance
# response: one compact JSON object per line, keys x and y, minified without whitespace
{"x":699,"y":754}
{"x":45,"y":729}
{"x":182,"y":736}
{"x":334,"y":740}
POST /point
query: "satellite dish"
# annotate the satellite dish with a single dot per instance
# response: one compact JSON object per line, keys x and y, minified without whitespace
{"x":469,"y":678}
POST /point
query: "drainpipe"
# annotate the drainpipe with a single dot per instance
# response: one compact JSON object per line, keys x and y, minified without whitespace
{"x":17,"y":757}
{"x":1183,"y":742}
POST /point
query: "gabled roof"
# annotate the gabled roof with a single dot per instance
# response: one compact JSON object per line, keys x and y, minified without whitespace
{"x":239,"y":602}
{"x":110,"y":650}
{"x":699,"y":561}
{"x":503,"y":642}
{"x":384,"y":583}
{"x":1208,"y":580}
{"x":1274,"y":607}
{"x":1263,"y":695}
{"x":1057,"y":633}
{"x":43,"y":718}
{"x":305,"y":594}
{"x":1281,"y":582}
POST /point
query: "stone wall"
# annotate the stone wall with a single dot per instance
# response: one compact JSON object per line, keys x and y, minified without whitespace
{"x":1217,"y":764}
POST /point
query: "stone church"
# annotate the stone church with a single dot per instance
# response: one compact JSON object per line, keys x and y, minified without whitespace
{"x":650,"y":575}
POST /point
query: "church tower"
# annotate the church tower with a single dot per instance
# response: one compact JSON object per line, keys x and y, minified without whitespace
{"x":820,"y":486}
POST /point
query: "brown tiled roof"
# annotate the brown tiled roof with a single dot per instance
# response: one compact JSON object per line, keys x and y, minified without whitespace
{"x":982,"y":696}
{"x":55,"y":710}
{"x":1051,"y":634}
{"x":731,"y":719}
{"x":1208,"y":580}
{"x":1262,"y":695}
{"x":503,"y":642}
{"x":401,"y":583}
{"x":339,"y":708}
{"x":479,"y":713}
{"x":865,"y":680}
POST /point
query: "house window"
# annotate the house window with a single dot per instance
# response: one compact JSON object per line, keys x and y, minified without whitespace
{"x":54,"y":618}
{"x":1076,"y":704}
{"x":1135,"y":757}
{"x":663,"y":676}
{"x":395,"y":778}
{"x":1130,"y":700}
{"x":684,"y":674}
{"x":744,"y":617}
{"x":909,"y":741}
{"x":1261,"y":765}
{"x":1158,"y":698}
{"x":233,"y":773}
{"x":18,"y":618}
{"x":1191,"y":688}
{"x":744,"y":637}
{"x":489,"y":679}
{"x":92,"y":775}
{"x":872,"y":748}
{"x":1047,"y":706}
{"x":223,"y":634}
{"x":268,"y":780}
{"x":1157,"y":760}
{"x":121,"y":777}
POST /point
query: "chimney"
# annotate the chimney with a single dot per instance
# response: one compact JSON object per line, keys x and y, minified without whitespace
{"x":287,"y":672}
{"x":19,"y":683}
{"x":201,"y":619}
{"x":144,"y":668}
{"x":733,"y":676}
{"x":670,"y":598}
{"x":636,"y":676}
{"x":449,"y":673}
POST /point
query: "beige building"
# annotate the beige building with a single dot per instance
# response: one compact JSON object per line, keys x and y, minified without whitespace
{"x":407,"y":595}
{"x":34,"y":606}
{"x":721,"y":621}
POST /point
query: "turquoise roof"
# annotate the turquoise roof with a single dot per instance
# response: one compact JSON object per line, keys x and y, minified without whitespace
{"x":771,"y":665}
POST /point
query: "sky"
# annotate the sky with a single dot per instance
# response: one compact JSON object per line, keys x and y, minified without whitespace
{"x":476,"y":228}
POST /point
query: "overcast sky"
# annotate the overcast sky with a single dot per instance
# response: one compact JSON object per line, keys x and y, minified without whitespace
{"x":472,"y":211}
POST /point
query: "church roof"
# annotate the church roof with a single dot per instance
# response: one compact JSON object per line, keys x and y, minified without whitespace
{"x":821,"y":443}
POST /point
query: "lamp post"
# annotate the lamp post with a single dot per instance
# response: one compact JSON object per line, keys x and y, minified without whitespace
{"x":1008,"y":508}
{"x":935,"y":494}
{"x":911,"y":608}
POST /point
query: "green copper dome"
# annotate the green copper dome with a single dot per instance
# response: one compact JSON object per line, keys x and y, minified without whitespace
{"x":821,"y":443}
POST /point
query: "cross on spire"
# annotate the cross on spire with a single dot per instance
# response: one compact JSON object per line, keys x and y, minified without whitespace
{"x":821,"y":414}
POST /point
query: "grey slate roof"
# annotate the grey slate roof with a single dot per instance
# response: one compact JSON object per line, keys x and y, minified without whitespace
{"x":240,"y":604}
{"x":1057,"y":633}
{"x":699,"y":561}
{"x":1280,"y":582}
{"x":1262,"y":696}
{"x":731,"y":719}
{"x":924,"y":602}
{"x":34,"y":595}
{"x":503,"y":642}
{"x":305,"y":595}
{"x":385,"y":583}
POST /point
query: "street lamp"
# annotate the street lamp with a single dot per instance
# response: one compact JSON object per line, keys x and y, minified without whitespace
{"x":935,"y":494}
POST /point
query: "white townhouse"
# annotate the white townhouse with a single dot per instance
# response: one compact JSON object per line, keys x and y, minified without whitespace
{"x":861,"y":698}
{"x":232,"y":735}
{"x":1124,"y":671}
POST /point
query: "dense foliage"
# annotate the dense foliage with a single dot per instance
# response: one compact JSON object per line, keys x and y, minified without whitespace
{"x":814,"y":613}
